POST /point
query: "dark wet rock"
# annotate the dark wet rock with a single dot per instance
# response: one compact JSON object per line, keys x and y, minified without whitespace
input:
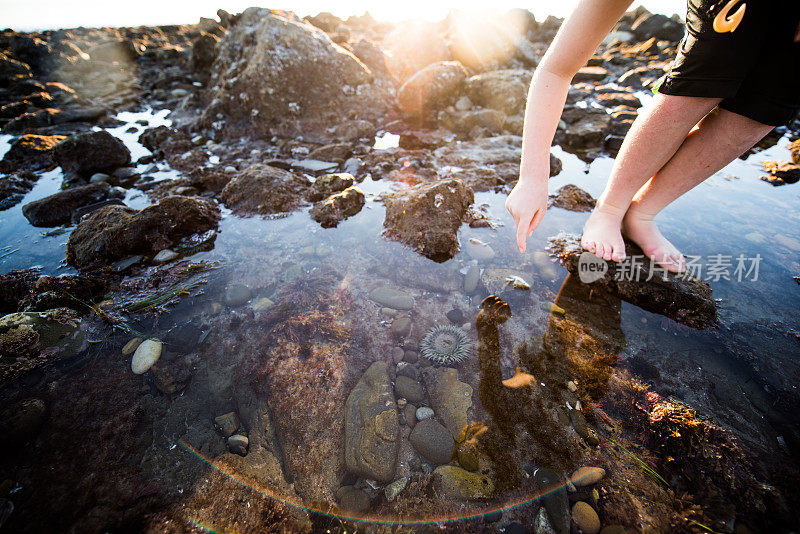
{"x":30,"y":152}
{"x":503,"y":90}
{"x":171,"y":377}
{"x":204,"y":51}
{"x":682,"y":298}
{"x":12,"y":70}
{"x":237,"y":294}
{"x":33,"y":120}
{"x":58,"y":208}
{"x":290,"y":80}
{"x":338,"y":207}
{"x":781,"y":172}
{"x":78,"y":214}
{"x":432,"y":441}
{"x":14,"y":287}
{"x":484,"y":164}
{"x":183,"y":337}
{"x":33,"y":339}
{"x":413,"y":46}
{"x":456,"y":316}
{"x":619,"y":99}
{"x":333,"y":152}
{"x":590,"y":74}
{"x":410,"y":415}
{"x":658,"y":26}
{"x":198,"y":182}
{"x":153,"y":138}
{"x":431,"y":89}
{"x":20,"y":423}
{"x":450,"y":398}
{"x":589,"y":131}
{"x":583,"y":429}
{"x":354,"y":500}
{"x":115,"y":232}
{"x":555,"y":498}
{"x":66,"y":291}
{"x":328,"y":184}
{"x":573,"y":198}
{"x":408,"y":388}
{"x":427,"y":217}
{"x":472,"y":122}
{"x":14,"y":187}
{"x":238,"y":444}
{"x":455,"y":483}
{"x":91,"y":152}
{"x":371,"y":426}
{"x":264,"y":190}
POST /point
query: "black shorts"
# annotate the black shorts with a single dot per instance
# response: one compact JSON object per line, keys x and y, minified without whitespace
{"x":755,"y":69}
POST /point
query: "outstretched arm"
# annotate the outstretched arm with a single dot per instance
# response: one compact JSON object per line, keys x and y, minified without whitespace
{"x":576,"y":41}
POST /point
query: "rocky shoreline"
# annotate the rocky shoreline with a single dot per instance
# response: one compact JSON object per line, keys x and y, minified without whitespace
{"x":379,"y":390}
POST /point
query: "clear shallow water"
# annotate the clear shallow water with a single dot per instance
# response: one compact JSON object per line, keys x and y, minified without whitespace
{"x":245,"y":360}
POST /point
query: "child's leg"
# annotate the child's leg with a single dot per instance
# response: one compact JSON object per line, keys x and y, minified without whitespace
{"x":721,"y":137}
{"x":653,"y":139}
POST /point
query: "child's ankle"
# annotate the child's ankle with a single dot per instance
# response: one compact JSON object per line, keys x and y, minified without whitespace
{"x":610,"y":209}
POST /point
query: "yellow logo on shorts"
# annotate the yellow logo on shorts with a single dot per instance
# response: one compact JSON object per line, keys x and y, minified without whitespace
{"x":723,"y":23}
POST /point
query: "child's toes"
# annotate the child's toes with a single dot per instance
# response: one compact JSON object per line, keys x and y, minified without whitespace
{"x":618,"y":255}
{"x":599,"y":250}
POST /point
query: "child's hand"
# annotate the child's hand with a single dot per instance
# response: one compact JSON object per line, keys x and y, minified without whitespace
{"x":527,"y":203}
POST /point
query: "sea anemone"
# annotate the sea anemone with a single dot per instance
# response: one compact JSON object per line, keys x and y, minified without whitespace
{"x":446,"y":344}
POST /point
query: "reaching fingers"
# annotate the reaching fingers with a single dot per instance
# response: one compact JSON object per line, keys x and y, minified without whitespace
{"x":522,"y":226}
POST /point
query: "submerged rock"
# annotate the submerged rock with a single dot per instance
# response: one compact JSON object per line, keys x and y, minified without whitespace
{"x":264,"y":190}
{"x":372,"y":426}
{"x":682,"y":298}
{"x":781,"y":172}
{"x":450,"y":398}
{"x":88,"y":153}
{"x":338,"y":207}
{"x":432,"y":441}
{"x":30,"y":152}
{"x":116,"y":232}
{"x":26,"y":334}
{"x":573,"y":198}
{"x":290,"y":79}
{"x":328,"y":184}
{"x":427,"y":217}
{"x":20,"y":422}
{"x":556,"y":502}
{"x":58,"y":208}
{"x":392,"y":298}
{"x":585,"y":518}
{"x":456,"y":483}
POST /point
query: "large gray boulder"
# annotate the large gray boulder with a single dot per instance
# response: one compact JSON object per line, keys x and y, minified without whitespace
{"x":276,"y":74}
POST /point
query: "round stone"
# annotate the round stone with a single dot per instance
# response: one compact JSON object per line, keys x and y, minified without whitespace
{"x":146,"y":354}
{"x":424,"y":413}
{"x":585,"y":518}
{"x":587,"y":476}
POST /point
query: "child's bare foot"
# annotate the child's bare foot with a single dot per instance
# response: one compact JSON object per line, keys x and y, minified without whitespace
{"x":601,"y":233}
{"x":642,"y":230}
{"x":495,"y":311}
